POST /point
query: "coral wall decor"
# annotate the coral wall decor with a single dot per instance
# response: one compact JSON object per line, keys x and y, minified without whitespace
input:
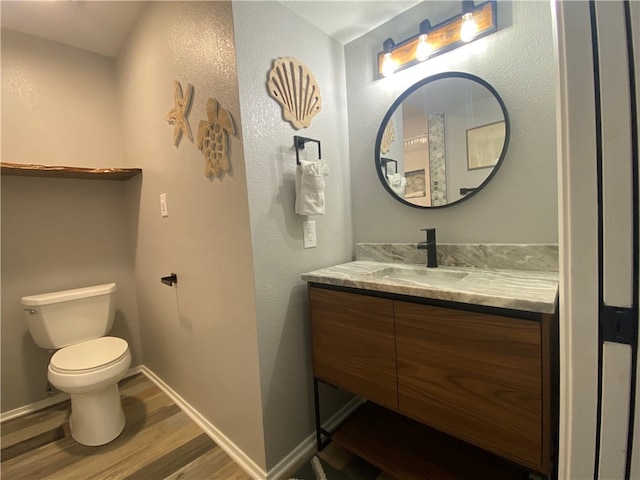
{"x":213,"y":139}
{"x":178,"y":115}
{"x":294,"y":87}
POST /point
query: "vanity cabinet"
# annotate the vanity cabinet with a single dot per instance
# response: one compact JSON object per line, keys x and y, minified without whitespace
{"x":484,"y":376}
{"x":354,"y":344}
{"x":475,"y":376}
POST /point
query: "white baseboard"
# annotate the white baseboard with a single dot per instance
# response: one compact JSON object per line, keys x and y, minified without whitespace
{"x":50,"y":401}
{"x":221,"y":440}
{"x":34,"y":407}
{"x":286,"y":467}
{"x":307,"y":448}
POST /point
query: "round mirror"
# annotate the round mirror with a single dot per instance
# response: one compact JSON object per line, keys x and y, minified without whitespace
{"x":442,"y":140}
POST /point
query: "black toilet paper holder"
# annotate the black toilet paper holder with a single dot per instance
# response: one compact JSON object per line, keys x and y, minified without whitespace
{"x":170,"y":280}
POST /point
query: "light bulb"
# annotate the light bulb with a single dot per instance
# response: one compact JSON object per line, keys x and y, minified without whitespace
{"x":389,"y":65}
{"x":424,"y":48}
{"x":469,"y":28}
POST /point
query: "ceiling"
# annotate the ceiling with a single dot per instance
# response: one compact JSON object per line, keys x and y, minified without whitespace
{"x":348,"y":20}
{"x":103,"y":26}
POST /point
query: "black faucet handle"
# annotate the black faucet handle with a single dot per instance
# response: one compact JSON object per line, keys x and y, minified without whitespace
{"x":431,"y":234}
{"x":430,"y":247}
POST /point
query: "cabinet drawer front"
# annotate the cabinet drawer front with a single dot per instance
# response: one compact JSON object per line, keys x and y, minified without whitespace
{"x":354,"y":345}
{"x":475,"y":376}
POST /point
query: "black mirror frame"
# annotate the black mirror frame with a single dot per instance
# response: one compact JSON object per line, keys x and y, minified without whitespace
{"x":408,"y":92}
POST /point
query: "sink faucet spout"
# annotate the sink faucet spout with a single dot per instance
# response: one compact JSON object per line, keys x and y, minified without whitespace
{"x":430,"y":247}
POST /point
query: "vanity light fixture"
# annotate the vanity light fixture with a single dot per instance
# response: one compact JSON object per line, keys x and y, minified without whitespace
{"x":469,"y":27}
{"x":389,"y":65}
{"x":474,"y":22}
{"x":424,"y":48}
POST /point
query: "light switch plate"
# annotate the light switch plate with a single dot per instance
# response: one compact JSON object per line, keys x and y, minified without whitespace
{"x":163,"y":205}
{"x":309,"y":234}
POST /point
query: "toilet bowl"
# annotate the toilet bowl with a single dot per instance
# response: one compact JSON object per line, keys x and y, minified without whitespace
{"x":87,"y":364}
{"x":89,"y":372}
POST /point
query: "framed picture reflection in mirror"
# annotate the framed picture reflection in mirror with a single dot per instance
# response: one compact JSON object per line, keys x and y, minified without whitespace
{"x":484,"y":145}
{"x":416,"y":184}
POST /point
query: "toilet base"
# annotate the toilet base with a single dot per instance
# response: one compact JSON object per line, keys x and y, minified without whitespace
{"x":97,"y":417}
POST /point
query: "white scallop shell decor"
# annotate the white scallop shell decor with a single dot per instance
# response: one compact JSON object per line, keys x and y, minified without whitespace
{"x":213,"y":139}
{"x":294,"y":87}
{"x":388,"y":136}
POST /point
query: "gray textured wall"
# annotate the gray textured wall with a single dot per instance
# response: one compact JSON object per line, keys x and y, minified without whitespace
{"x":278,"y":254}
{"x":199,"y":336}
{"x":520,"y":204}
{"x":59,"y":107}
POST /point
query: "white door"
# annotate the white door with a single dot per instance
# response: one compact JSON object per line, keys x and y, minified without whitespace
{"x":598,"y":48}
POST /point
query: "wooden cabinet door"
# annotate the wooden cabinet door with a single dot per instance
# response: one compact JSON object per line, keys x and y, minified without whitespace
{"x":475,"y":376}
{"x":354,"y":345}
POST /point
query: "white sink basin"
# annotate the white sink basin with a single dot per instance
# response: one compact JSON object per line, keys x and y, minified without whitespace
{"x":423,"y":276}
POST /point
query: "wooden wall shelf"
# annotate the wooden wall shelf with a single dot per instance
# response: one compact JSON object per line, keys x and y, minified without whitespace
{"x":27,"y":170}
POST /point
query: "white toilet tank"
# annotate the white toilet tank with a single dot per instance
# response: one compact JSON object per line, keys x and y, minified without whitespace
{"x":59,"y":319}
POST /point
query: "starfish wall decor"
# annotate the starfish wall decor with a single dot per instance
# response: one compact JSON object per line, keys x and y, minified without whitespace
{"x":177,"y":116}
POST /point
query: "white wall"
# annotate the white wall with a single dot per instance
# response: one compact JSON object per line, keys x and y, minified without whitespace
{"x":199,"y":336}
{"x":520,"y":204}
{"x":59,"y":234}
{"x":59,"y":107}
{"x":457,"y":122}
{"x":265,"y":31}
{"x":58,"y":104}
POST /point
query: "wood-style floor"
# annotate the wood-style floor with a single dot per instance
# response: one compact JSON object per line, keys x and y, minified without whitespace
{"x":159,"y":442}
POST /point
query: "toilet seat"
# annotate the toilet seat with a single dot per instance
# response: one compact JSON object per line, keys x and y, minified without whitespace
{"x":89,"y":366}
{"x":89,"y":356}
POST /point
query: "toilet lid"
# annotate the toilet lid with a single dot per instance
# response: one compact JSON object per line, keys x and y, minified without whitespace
{"x":90,"y":354}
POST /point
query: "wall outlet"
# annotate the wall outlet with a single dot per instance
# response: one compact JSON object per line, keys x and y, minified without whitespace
{"x":309,"y":234}
{"x":163,"y":205}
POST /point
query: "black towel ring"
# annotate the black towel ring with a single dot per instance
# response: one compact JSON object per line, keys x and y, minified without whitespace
{"x":299,"y":142}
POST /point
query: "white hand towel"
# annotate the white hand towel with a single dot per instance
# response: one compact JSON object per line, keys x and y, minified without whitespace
{"x":398,"y":184}
{"x":310,"y":187}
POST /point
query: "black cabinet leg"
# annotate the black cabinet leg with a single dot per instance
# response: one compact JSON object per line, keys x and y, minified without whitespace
{"x":320,"y":443}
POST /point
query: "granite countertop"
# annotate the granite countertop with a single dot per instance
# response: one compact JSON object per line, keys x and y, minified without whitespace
{"x":532,"y":291}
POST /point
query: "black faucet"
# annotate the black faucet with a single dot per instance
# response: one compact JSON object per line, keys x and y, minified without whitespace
{"x":430,"y":247}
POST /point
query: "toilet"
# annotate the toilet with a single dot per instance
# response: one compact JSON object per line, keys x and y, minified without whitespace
{"x":87,"y":364}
